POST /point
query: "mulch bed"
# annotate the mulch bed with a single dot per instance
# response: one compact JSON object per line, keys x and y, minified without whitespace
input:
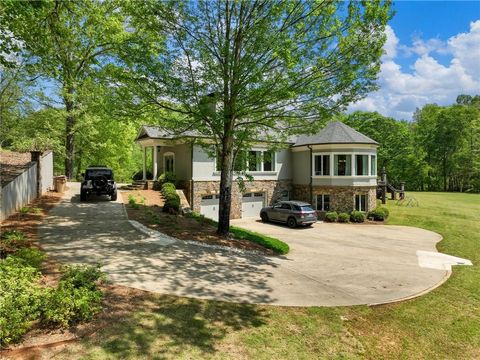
{"x":178,"y":226}
{"x":43,"y":343}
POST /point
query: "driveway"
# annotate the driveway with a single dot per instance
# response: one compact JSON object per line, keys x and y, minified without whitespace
{"x":329,"y":264}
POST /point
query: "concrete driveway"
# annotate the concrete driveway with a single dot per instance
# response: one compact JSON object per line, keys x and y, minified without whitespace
{"x":329,"y":264}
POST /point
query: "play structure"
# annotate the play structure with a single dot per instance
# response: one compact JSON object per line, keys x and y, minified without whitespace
{"x":384,"y":187}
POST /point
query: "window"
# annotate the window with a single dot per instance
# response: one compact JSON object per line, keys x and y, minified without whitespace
{"x":269,"y":161}
{"x":323,"y":202}
{"x":322,"y":165}
{"x":361,"y":165}
{"x":361,"y":202}
{"x":169,"y":162}
{"x":343,"y":165}
{"x":373,"y":165}
{"x":285,"y":207}
{"x":240,"y":162}
{"x":254,"y":161}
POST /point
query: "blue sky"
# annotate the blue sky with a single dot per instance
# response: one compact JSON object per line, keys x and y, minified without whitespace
{"x":432,"y":55}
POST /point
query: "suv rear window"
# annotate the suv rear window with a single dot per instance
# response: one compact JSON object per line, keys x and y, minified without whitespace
{"x":303,"y":208}
{"x":99,"y":172}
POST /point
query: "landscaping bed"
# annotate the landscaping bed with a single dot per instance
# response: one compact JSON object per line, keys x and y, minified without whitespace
{"x":149,"y":213}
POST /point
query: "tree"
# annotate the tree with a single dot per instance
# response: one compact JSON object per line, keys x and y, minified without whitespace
{"x":272,"y":68}
{"x":67,"y":43}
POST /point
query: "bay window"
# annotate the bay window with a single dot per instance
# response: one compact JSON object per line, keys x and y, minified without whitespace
{"x":361,"y":165}
{"x":322,"y":165}
{"x":373,"y":165}
{"x":342,"y":165}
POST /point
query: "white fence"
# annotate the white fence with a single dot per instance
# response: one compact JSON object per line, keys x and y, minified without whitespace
{"x":23,"y":189}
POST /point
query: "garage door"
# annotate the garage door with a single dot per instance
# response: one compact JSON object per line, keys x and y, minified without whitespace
{"x":252,"y":203}
{"x":209,"y":206}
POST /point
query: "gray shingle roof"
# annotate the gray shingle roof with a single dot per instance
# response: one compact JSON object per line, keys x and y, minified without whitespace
{"x":156,"y":132}
{"x":335,"y":132}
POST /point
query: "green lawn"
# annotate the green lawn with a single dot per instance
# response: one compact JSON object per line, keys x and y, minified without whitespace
{"x":444,"y":324}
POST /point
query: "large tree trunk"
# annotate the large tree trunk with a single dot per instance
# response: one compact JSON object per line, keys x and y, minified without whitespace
{"x":69,"y":133}
{"x":226,"y":181}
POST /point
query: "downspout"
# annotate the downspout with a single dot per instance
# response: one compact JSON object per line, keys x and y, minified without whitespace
{"x":311,"y":172}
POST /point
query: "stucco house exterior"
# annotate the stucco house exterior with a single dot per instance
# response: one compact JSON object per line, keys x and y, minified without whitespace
{"x":335,"y":169}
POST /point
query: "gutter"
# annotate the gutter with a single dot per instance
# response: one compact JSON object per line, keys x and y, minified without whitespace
{"x":311,"y":172}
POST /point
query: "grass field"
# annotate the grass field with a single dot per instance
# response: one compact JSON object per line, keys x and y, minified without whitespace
{"x":444,"y":324}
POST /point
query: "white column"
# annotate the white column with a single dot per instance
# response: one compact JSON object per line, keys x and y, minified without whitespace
{"x":155,"y":165}
{"x":144,"y":156}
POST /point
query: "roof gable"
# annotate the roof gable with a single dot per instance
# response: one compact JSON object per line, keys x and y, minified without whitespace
{"x":335,"y":132}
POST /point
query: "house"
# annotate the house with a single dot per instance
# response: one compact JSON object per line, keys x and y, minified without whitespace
{"x":335,"y":169}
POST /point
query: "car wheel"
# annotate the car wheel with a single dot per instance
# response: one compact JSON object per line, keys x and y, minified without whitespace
{"x":291,"y":222}
{"x":264,"y":217}
{"x":113,"y":197}
{"x":83,"y":196}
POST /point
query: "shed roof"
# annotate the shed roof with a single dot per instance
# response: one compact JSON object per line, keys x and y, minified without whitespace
{"x":335,"y":132}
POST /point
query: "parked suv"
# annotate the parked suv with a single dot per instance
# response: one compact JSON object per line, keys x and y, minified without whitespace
{"x":98,"y":180}
{"x":293,"y":213}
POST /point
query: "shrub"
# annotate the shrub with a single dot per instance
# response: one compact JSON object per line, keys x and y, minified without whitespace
{"x":139,"y":175}
{"x":343,"y":218}
{"x":331,"y":216}
{"x":167,"y":177}
{"x":67,"y":305}
{"x":20,"y":299}
{"x":77,"y":297}
{"x":172,"y":200}
{"x":357,"y":217}
{"x":30,"y":256}
{"x":133,"y":202}
{"x":379,"y":214}
{"x":11,"y":241}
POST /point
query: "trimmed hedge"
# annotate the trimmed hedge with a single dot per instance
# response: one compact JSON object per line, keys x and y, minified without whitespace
{"x":357,"y":217}
{"x":331,"y":216}
{"x":379,"y":214}
{"x":343,"y":218}
{"x":172,"y":200}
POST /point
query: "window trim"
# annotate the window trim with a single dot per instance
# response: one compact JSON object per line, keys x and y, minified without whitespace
{"x":330,"y":165}
{"x":353,"y":165}
{"x":262,"y":162}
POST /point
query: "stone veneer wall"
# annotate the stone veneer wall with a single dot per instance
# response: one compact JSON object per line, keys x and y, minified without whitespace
{"x":342,"y":198}
{"x":272,"y":189}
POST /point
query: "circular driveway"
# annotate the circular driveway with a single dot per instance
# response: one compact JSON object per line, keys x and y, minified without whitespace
{"x":328,"y":265}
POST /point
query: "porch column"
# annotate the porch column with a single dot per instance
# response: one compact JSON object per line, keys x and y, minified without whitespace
{"x":155,"y":165}
{"x":144,"y":156}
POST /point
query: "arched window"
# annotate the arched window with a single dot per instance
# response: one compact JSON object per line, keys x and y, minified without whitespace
{"x":169,"y":162}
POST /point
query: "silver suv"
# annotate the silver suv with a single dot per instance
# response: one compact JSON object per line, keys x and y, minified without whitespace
{"x":293,"y":213}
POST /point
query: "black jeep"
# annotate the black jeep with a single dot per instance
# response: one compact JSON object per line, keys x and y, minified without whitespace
{"x":98,"y":180}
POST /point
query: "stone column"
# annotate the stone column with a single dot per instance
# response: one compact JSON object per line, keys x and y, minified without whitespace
{"x":144,"y":156}
{"x":155,"y":164}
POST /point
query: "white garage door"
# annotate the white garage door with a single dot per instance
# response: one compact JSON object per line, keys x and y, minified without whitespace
{"x":209,"y":206}
{"x":252,"y":203}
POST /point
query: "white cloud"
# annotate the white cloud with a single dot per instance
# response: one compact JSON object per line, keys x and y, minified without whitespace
{"x":429,"y":81}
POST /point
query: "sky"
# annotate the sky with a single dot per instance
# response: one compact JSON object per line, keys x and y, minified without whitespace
{"x":432,"y":54}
